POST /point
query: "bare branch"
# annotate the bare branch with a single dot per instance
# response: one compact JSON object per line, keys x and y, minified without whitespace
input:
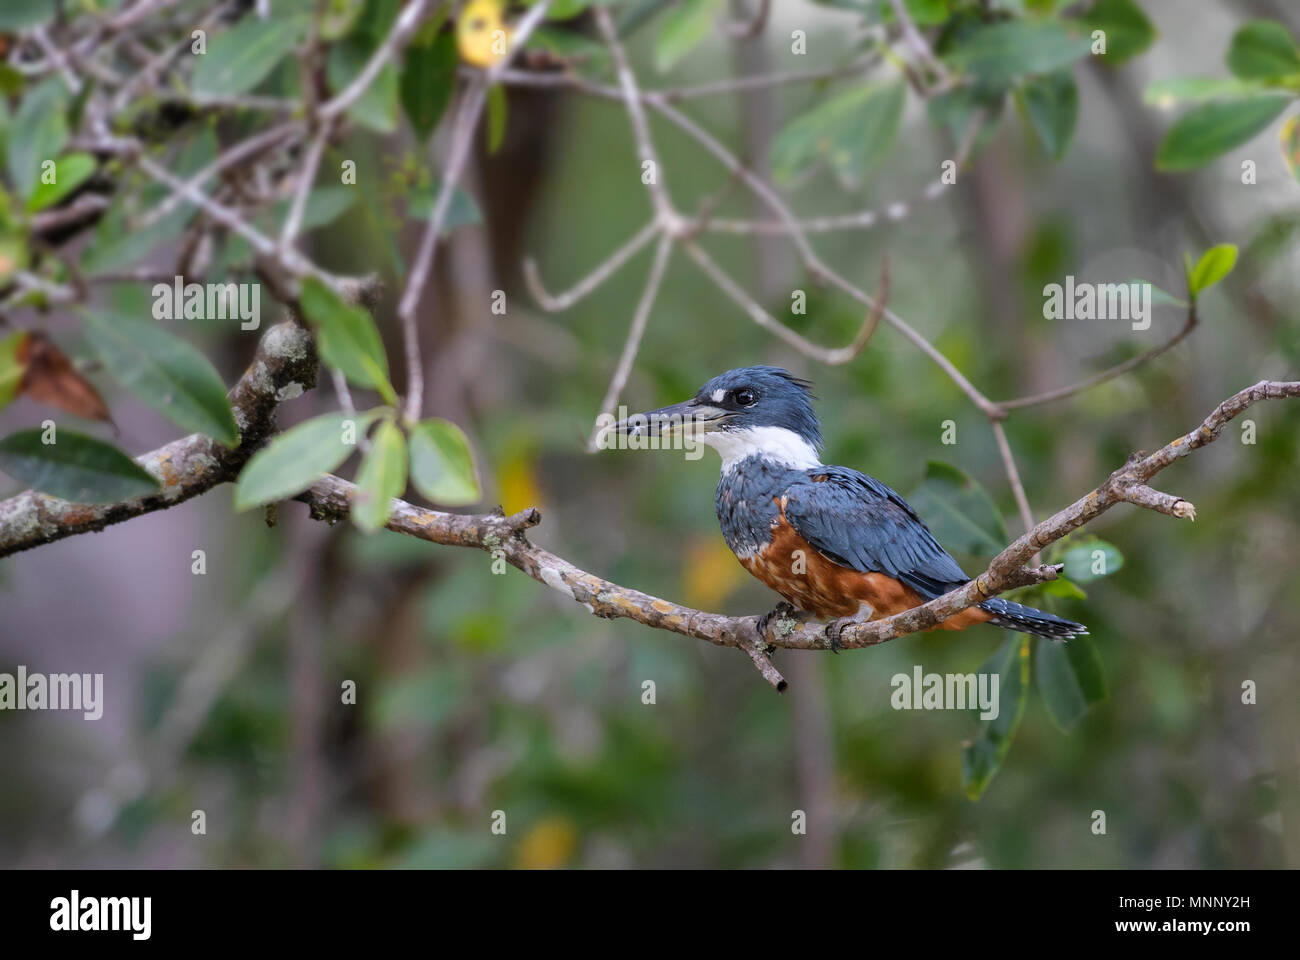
{"x":587,"y":284}
{"x":307,"y":177}
{"x":1013,"y":475}
{"x":639,"y":319}
{"x":832,"y":356}
{"x":636,"y":113}
{"x":232,"y":157}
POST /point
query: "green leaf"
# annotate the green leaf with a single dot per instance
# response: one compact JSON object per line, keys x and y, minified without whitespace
{"x":378,"y":107}
{"x":1070,"y":677}
{"x":381,"y":478}
{"x":998,"y":54}
{"x":958,"y":511}
{"x":956,"y":109}
{"x":854,"y":130}
{"x":1263,"y":49}
{"x":428,"y":78}
{"x":75,"y":467}
{"x":462,"y":212}
{"x":982,"y":758}
{"x":1128,"y":30}
{"x":1091,"y":560}
{"x":1052,"y":105}
{"x":496,"y":117}
{"x":1215,"y":264}
{"x":1168,"y":93}
{"x":568,"y":45}
{"x":683,"y":28}
{"x":348,"y":338}
{"x":243,"y":56}
{"x":1215,"y":128}
{"x":18,"y":15}
{"x":70,"y":172}
{"x":442,"y":466}
{"x":11,"y":371}
{"x":38,"y":133}
{"x":296,"y":459}
{"x":926,"y":13}
{"x":165,"y":372}
{"x":1063,"y":587}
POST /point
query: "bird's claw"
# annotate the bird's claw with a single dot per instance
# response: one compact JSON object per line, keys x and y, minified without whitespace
{"x":781,"y":610}
{"x":834,"y":629}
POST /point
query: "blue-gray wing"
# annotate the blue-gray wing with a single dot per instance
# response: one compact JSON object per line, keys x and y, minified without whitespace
{"x":857,"y":521}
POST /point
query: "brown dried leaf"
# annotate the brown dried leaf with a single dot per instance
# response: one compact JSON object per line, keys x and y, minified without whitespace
{"x":51,"y":378}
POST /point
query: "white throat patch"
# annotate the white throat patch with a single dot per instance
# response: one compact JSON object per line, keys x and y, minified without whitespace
{"x":776,"y":444}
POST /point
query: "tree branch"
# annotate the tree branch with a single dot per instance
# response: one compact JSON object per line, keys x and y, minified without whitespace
{"x":195,"y":464}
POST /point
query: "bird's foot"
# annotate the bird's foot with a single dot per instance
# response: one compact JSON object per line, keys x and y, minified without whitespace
{"x":833,"y":630}
{"x":781,"y":611}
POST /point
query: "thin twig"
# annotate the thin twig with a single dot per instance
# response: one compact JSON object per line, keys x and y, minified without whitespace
{"x":636,"y":114}
{"x":231,"y":157}
{"x":1013,"y":475}
{"x":461,"y":137}
{"x":307,"y":178}
{"x":634,"y":334}
{"x":398,"y":36}
{"x":562,"y":301}
{"x":1061,"y":393}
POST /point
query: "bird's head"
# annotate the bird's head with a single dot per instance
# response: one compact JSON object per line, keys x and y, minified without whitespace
{"x":763,"y":411}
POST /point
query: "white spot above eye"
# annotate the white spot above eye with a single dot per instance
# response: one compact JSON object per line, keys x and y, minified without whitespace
{"x":718,"y":395}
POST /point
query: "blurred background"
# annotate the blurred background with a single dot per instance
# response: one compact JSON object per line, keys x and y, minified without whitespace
{"x":479,"y":693}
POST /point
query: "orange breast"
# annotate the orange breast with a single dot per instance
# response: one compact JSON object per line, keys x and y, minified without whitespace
{"x":799,"y":573}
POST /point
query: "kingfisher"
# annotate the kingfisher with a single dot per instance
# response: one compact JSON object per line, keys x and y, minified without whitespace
{"x":837,"y":545}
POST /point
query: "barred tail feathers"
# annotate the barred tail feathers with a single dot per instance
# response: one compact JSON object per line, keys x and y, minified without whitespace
{"x":1016,"y":616}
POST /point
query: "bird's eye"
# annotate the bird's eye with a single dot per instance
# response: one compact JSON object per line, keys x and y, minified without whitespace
{"x":745,"y":397}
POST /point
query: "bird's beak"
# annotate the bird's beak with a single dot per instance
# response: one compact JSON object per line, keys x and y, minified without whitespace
{"x":687,"y":419}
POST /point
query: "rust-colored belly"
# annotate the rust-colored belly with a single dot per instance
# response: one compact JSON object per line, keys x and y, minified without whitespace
{"x":828,"y":590}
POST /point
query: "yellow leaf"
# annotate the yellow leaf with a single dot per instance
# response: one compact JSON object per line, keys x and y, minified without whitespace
{"x":710,"y":574}
{"x":481,"y":33}
{"x":549,"y":844}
